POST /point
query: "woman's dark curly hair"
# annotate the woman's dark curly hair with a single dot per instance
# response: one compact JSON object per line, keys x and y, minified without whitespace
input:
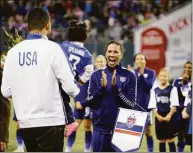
{"x":77,"y":31}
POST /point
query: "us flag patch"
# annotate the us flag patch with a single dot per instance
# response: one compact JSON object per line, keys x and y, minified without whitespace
{"x":131,"y":120}
{"x":122,"y":79}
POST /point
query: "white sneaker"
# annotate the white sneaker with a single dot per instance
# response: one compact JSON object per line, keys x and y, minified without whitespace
{"x":19,"y":150}
{"x":68,"y":149}
{"x":87,"y":150}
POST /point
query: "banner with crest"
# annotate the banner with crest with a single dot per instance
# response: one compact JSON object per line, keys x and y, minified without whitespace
{"x":129,"y":130}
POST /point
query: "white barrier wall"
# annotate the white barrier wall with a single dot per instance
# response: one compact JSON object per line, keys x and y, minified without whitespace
{"x":167,"y":41}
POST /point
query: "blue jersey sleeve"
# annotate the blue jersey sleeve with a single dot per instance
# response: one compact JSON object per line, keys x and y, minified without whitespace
{"x":176,"y":83}
{"x":84,"y":61}
{"x":88,"y":59}
{"x":78,"y":56}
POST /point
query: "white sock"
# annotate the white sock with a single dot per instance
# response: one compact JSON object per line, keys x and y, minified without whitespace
{"x":87,"y":150}
{"x":20,"y":148}
{"x":68,"y":149}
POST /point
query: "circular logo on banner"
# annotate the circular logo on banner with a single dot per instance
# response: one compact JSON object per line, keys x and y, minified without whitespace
{"x":131,"y":120}
{"x":153,"y":46}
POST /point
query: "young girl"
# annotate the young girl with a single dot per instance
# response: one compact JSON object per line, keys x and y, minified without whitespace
{"x":163,"y":101}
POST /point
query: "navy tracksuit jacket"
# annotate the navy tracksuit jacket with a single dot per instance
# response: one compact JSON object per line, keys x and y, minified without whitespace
{"x":144,"y":85}
{"x":105,"y":102}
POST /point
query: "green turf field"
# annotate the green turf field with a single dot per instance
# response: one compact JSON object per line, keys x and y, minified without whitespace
{"x":79,"y":143}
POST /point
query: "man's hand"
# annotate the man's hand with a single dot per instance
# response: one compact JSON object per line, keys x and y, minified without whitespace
{"x":114,"y":78}
{"x":104,"y":79}
{"x":167,"y":118}
{"x":70,"y":128}
{"x":3,"y":146}
{"x":78,"y":105}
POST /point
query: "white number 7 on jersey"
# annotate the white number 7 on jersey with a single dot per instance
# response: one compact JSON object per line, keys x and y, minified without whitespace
{"x":75,"y":60}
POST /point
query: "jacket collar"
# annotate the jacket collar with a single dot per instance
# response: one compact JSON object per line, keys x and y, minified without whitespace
{"x":136,"y":70}
{"x":78,"y":43}
{"x":36,"y":36}
{"x":117,"y":68}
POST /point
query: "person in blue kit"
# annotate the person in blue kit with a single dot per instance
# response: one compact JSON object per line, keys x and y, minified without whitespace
{"x":109,"y":89}
{"x":164,"y":101}
{"x":187,"y":114}
{"x":145,"y":81}
{"x":100,"y":62}
{"x":183,"y":86}
{"x":81,"y":61}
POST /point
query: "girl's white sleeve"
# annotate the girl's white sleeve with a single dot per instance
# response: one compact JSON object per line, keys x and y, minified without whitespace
{"x":174,"y":97}
{"x":152,"y":101}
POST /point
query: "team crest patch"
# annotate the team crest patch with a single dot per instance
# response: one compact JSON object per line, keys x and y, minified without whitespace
{"x":122,"y":79}
{"x":131,"y":120}
{"x":145,"y":75}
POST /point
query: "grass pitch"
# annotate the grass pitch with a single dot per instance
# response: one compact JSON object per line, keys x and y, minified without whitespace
{"x":79,"y":143}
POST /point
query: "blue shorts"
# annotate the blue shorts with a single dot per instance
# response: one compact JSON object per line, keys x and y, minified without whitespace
{"x":180,"y":123}
{"x":101,"y":142}
{"x":83,"y":114}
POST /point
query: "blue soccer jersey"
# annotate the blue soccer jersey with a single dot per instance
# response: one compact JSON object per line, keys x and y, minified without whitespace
{"x":80,"y":59}
{"x":163,"y":99}
{"x":183,"y":90}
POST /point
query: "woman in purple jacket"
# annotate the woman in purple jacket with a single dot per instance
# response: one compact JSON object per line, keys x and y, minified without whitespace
{"x":109,"y":89}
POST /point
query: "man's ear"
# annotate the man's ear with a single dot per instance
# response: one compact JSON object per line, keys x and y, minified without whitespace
{"x":47,"y":26}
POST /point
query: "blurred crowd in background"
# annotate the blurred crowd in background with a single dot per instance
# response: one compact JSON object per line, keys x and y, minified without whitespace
{"x":105,"y":19}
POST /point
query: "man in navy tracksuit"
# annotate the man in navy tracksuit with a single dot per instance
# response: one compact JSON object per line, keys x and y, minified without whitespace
{"x":109,"y":89}
{"x":145,"y":80}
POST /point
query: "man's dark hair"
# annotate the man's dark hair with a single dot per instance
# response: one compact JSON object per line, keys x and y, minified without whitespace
{"x":37,"y":19}
{"x":134,"y":58}
{"x":114,"y":42}
{"x":77,"y":31}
